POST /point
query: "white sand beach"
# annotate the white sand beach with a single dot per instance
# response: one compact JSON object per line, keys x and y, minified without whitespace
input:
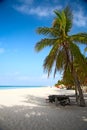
{"x":27,"y":109}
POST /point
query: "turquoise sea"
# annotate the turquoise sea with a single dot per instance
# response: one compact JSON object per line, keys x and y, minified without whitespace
{"x":16,"y":87}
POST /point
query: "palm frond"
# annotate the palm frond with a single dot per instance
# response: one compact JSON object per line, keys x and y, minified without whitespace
{"x":58,"y":14}
{"x":61,"y":61}
{"x":43,"y":30}
{"x":77,"y":55}
{"x":51,"y":32}
{"x":79,"y":38}
{"x":44,"y":43}
{"x":64,"y":19}
{"x":60,"y":21}
{"x":69,"y":18}
{"x":50,"y":59}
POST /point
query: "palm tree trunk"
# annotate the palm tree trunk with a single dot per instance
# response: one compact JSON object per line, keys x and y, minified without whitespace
{"x":76,"y":94}
{"x":77,"y":85}
{"x":74,"y":74}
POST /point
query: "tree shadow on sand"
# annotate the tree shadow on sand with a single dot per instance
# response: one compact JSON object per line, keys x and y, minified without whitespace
{"x":38,"y":101}
{"x":42,"y":116}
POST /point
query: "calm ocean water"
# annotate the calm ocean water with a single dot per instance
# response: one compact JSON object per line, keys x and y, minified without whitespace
{"x":16,"y":87}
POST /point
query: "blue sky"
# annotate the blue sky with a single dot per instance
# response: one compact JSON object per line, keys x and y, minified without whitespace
{"x":19,"y":63}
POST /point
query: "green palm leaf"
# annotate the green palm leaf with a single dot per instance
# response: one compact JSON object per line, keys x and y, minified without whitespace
{"x":79,"y":38}
{"x":69,"y":18}
{"x":48,"y":31}
{"x":44,"y":43}
{"x":50,"y":59}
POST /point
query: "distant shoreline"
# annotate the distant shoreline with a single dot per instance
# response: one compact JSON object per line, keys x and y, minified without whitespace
{"x":17,"y":87}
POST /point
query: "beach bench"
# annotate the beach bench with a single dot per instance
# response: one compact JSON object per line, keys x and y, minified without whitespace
{"x":61,"y":99}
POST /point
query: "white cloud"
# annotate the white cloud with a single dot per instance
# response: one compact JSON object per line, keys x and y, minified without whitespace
{"x":80,"y":19}
{"x":2,"y":50}
{"x":39,"y":10}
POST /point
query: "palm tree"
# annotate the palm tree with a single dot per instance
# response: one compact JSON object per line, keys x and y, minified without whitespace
{"x":64,"y":50}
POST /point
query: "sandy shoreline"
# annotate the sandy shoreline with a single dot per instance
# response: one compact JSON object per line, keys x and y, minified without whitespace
{"x":26,"y":109}
{"x":15,"y":96}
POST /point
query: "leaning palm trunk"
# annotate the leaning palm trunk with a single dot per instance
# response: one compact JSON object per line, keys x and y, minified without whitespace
{"x":74,"y":74}
{"x":78,"y":87}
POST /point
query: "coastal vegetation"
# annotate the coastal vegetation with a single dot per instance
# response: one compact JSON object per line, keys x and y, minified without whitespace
{"x":65,"y":54}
